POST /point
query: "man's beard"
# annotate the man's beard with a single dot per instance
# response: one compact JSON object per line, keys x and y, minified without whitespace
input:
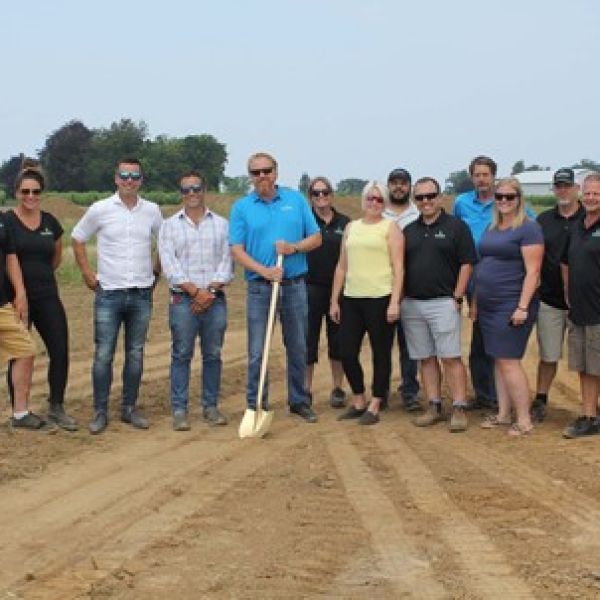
{"x":401,"y":200}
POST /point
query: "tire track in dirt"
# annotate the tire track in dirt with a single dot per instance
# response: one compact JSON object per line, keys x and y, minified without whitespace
{"x":399,"y":560}
{"x":109,"y":515}
{"x":490,"y":575}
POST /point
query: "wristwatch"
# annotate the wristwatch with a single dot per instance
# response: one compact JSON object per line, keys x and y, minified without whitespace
{"x":213,"y":290}
{"x":296,"y":248}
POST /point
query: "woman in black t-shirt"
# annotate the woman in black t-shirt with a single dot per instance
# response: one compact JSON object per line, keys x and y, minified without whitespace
{"x":37,"y":236}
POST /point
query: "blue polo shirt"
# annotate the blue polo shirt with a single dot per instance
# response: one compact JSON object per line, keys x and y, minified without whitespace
{"x":477,"y":215}
{"x":257,"y":225}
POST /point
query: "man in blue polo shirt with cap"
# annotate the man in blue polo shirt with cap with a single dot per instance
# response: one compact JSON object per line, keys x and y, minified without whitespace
{"x":274,"y":220}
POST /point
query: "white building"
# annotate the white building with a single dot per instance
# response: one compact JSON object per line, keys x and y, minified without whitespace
{"x":539,"y":183}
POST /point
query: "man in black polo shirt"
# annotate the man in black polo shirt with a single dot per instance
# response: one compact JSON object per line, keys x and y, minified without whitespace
{"x":438,"y":261}
{"x":321,"y":267}
{"x":580,"y":264}
{"x":552,"y":316}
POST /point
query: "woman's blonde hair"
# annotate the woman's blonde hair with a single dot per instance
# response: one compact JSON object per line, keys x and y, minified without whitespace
{"x":521,"y":215}
{"x":375,"y":185}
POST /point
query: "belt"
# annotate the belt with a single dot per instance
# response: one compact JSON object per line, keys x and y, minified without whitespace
{"x":218,"y":293}
{"x":289,"y":281}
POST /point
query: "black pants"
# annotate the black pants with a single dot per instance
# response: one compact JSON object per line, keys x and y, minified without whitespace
{"x":360,"y":316}
{"x":319,"y":297}
{"x":49,"y":318}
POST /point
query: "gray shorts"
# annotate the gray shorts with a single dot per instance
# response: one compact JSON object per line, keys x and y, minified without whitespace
{"x":584,"y":348}
{"x":550,"y":327}
{"x":431,"y":327}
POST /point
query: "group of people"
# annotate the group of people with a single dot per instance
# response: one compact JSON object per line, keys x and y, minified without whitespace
{"x":403,"y":269}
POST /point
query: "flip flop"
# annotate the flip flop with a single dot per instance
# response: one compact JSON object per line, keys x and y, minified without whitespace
{"x":517,"y":430}
{"x":492,"y":421}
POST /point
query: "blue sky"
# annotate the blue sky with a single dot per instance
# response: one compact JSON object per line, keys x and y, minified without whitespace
{"x":342,"y":88}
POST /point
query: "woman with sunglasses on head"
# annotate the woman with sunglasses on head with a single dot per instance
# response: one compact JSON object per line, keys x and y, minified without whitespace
{"x":38,"y":242}
{"x":319,"y":279}
{"x":365,"y":298}
{"x":506,"y":302}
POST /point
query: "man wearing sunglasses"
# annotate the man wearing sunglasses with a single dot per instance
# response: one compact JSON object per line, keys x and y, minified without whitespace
{"x":273,"y":220}
{"x":439,"y":258}
{"x":196,"y":261}
{"x":403,"y":211}
{"x":124,"y":226}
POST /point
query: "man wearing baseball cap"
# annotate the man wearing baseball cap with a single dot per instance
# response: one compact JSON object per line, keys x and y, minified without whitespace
{"x":556,"y":225}
{"x":403,"y":211}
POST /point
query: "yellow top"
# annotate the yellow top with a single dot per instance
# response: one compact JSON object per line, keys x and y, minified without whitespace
{"x":369,"y":273}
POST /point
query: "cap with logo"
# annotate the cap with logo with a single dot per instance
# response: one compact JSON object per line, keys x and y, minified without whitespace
{"x":564,"y":175}
{"x":399,"y":174}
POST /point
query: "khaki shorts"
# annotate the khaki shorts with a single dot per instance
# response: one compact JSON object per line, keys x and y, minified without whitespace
{"x":15,"y":340}
{"x":431,"y":327}
{"x":584,"y":349}
{"x":551,"y":326}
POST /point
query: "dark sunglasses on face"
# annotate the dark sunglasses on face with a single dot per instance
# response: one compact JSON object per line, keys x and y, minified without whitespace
{"x":377,"y":199}
{"x":133,"y":175}
{"x":421,"y":197}
{"x":259,"y":172}
{"x":510,"y":197}
{"x":28,"y":192}
{"x":318,"y":193}
{"x":191,"y":189}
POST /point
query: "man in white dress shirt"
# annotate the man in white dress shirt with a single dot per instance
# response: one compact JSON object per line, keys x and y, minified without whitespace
{"x":196,"y":260}
{"x":124,"y":226}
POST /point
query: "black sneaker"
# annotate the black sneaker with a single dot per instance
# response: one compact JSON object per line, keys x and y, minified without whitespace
{"x":582,"y":426}
{"x":353,"y":413}
{"x":337,"y":398}
{"x":57,"y":414}
{"x":368,"y":418}
{"x":538,"y":411}
{"x":411,"y":404}
{"x":32,"y":422}
{"x":304,"y":411}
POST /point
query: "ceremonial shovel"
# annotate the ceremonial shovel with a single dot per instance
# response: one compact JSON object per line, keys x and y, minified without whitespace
{"x":256,"y":423}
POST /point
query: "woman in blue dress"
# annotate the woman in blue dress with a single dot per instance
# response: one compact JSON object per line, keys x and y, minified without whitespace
{"x":506,"y":303}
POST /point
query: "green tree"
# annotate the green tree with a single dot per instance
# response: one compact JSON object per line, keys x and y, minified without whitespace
{"x":65,"y":155}
{"x":236,"y":186}
{"x":123,"y":139}
{"x":586,"y":163}
{"x":350,"y":186}
{"x":8,"y":173}
{"x":458,"y":182}
{"x":518,"y":167}
{"x":304,"y":183}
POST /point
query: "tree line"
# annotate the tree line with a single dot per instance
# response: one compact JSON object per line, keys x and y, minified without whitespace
{"x":76,"y":158}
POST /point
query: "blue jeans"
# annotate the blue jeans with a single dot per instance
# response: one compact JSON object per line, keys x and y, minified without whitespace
{"x":132,"y":308}
{"x":409,"y":387}
{"x":185,"y":326}
{"x":292,"y":308}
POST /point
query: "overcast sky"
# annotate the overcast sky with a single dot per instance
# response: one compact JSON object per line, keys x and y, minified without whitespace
{"x":342,"y":88}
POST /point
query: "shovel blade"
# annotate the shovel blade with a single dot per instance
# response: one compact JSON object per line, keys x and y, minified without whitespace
{"x":255,"y":423}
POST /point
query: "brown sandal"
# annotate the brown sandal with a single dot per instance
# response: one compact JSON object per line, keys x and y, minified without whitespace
{"x":517,"y":430}
{"x":492,"y":421}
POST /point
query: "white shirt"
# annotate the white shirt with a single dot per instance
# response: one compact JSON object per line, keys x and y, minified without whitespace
{"x":407,"y":216}
{"x":124,"y":241}
{"x":196,"y":253}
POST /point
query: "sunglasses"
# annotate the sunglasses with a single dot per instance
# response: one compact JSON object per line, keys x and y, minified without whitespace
{"x":192,"y":189}
{"x":259,"y":172}
{"x":377,"y":199}
{"x":421,"y":197}
{"x":319,"y":193}
{"x":133,"y":175}
{"x":509,"y":197}
{"x":28,"y":192}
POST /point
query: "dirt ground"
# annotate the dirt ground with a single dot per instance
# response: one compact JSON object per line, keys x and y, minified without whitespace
{"x":328,"y":510}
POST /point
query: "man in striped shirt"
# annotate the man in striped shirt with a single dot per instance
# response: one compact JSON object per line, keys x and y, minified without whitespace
{"x":196,"y":261}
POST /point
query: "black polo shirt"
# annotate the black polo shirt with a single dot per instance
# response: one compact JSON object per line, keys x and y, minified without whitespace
{"x":7,"y":246}
{"x":556,"y":230}
{"x":35,"y":249}
{"x":323,"y":260}
{"x":582,"y":254}
{"x":434,"y":255}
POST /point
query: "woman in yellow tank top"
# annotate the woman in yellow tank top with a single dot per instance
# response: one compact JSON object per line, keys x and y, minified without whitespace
{"x":370,"y":274}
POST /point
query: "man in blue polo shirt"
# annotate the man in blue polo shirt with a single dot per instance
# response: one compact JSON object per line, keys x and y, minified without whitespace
{"x":274,"y":220}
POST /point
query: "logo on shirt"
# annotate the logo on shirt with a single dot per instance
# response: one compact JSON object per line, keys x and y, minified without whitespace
{"x":596,"y":233}
{"x":46,"y":231}
{"x":339,"y":231}
{"x":286,"y":207}
{"x":440,"y":235}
